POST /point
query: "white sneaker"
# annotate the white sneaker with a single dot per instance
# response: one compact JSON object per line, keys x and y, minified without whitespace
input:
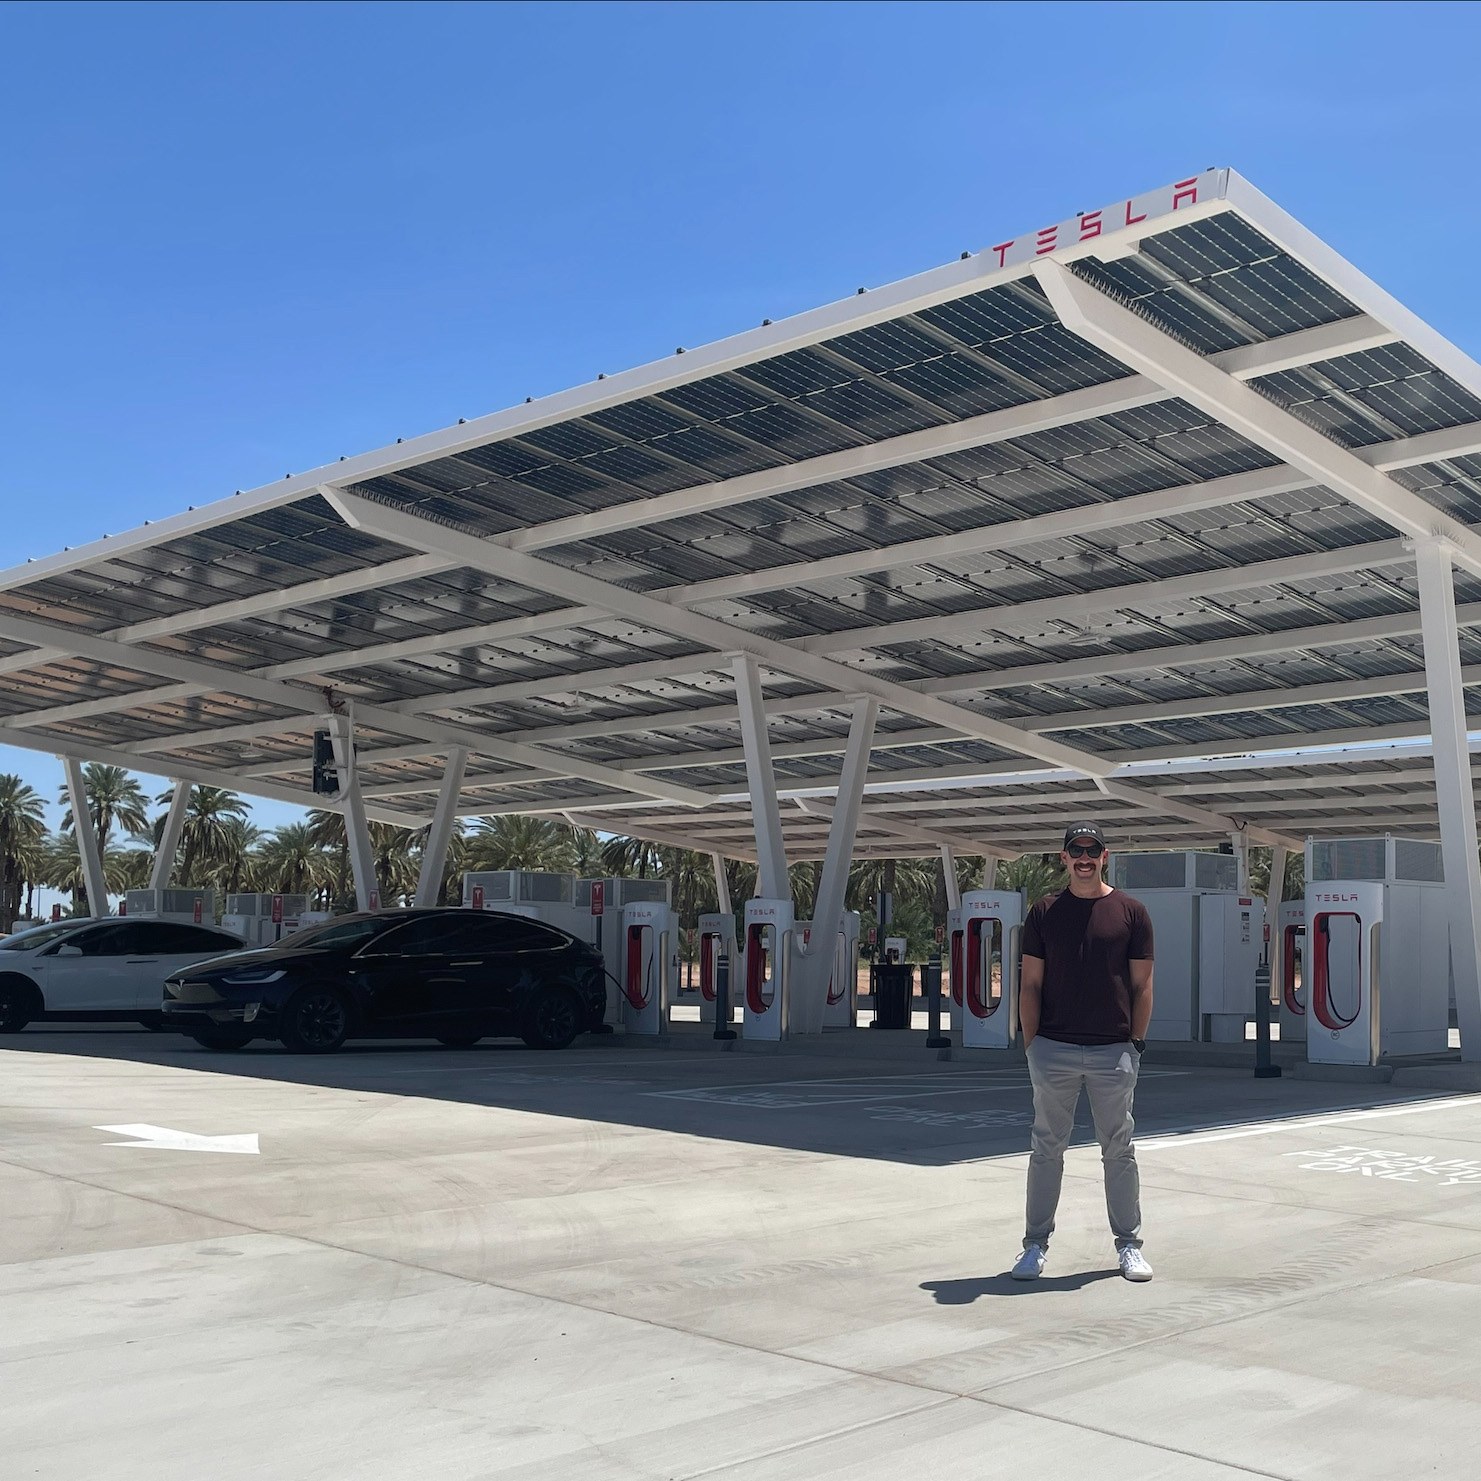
{"x":1134,"y":1265}
{"x":1030,"y":1264}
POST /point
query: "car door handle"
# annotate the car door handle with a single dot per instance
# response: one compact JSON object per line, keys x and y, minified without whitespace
{"x":474,"y":963}
{"x":140,"y":961}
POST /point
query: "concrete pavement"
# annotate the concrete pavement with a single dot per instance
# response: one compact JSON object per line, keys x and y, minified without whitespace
{"x":621,"y":1262}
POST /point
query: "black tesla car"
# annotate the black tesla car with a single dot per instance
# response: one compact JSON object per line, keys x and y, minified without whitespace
{"x":451,"y":975}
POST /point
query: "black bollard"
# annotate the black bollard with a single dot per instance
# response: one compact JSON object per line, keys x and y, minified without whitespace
{"x":1265,"y":1068}
{"x":723,"y":1029}
{"x":935,"y":1039}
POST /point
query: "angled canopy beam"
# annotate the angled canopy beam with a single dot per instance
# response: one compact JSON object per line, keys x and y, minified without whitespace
{"x":1068,"y":606}
{"x":833,"y":882}
{"x":771,"y":848}
{"x":206,"y":776}
{"x":169,"y":839}
{"x":306,"y":701}
{"x":1140,"y":345}
{"x":440,"y":836}
{"x":88,"y":849}
{"x":984,"y":681}
{"x":416,"y":532}
{"x":1302,"y":348}
{"x":352,"y":808}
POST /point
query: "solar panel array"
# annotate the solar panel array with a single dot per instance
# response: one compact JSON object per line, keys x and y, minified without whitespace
{"x":963,"y":500}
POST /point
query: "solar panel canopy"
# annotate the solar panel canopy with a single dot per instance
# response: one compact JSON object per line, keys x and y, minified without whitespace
{"x":1110,"y":517}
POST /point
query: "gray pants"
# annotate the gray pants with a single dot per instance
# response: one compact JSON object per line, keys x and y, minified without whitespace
{"x":1108,"y":1073}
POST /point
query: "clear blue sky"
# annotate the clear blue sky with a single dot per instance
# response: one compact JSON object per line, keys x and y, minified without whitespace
{"x":244,"y":239}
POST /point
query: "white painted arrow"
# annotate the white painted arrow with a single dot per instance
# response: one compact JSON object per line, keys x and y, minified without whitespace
{"x":184,"y":1141}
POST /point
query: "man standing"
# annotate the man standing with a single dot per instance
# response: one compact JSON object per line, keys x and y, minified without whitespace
{"x":1085,"y":1002}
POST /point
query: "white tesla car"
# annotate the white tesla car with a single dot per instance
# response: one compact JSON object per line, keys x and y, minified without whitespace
{"x":87,"y":970}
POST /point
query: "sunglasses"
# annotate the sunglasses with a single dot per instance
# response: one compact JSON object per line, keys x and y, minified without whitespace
{"x":1084,"y":850}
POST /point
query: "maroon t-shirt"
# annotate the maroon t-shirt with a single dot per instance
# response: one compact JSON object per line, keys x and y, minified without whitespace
{"x":1086,"y":946}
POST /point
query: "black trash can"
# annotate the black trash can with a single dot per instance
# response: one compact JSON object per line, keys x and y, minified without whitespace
{"x":892,"y":984}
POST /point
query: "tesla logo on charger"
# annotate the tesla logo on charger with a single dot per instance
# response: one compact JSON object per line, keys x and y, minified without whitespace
{"x":1337,"y":899}
{"x":1122,"y":216}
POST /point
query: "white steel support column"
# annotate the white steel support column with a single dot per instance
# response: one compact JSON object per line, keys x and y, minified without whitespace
{"x":772,"y":882}
{"x":722,"y":885}
{"x":953,"y":887}
{"x":87,"y":839}
{"x":357,"y":829}
{"x":169,"y":840}
{"x":1275,"y":892}
{"x":807,"y":1006}
{"x":1454,"y":792}
{"x":440,"y":835}
{"x":1241,"y":843}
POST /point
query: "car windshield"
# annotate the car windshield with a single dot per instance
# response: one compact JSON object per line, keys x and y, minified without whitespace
{"x":39,"y":936}
{"x":336,"y":935}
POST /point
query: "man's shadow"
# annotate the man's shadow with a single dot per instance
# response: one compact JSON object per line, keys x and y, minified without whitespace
{"x":965,"y":1292}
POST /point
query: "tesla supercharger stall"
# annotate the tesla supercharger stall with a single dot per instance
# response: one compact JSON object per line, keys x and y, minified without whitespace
{"x":992,"y":928}
{"x":650,"y":965}
{"x":1208,"y":942}
{"x":956,"y":966}
{"x":841,"y":1009}
{"x":1377,"y":950}
{"x":1293,"y":981}
{"x":768,"y":948}
{"x":717,"y":953}
{"x":590,"y":909}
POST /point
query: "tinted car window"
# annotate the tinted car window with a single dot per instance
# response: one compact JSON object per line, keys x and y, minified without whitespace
{"x":339,"y":935}
{"x":39,"y":936}
{"x":177,"y":940}
{"x":510,"y":933}
{"x":436,"y":935}
{"x":110,"y":940}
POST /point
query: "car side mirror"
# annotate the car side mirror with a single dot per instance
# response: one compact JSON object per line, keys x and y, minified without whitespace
{"x":69,"y":951}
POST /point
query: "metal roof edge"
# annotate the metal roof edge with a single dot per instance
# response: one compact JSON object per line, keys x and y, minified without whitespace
{"x":1309,"y":249}
{"x":1004,"y":262}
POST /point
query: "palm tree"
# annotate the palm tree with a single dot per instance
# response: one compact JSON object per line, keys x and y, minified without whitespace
{"x":235,"y":867}
{"x":63,"y":871}
{"x":135,"y":868}
{"x":22,"y":830}
{"x":113,"y":796}
{"x":511,"y":841}
{"x":292,"y":861}
{"x":1295,"y":881}
{"x":395,"y":861}
{"x":1036,"y":875}
{"x":327,"y":832}
{"x":632,"y":858}
{"x":205,"y":840}
{"x":906,"y":879}
{"x":588,"y":852}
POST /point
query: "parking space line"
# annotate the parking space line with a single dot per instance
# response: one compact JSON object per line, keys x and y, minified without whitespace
{"x":1176,"y":1138}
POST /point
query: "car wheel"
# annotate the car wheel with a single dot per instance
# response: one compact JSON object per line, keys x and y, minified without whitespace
{"x":224,"y":1038}
{"x":316,"y":1020}
{"x":459,"y":1041}
{"x":554,"y":1019}
{"x":18,"y":1004}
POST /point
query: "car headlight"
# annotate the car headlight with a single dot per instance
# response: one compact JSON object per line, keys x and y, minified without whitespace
{"x":253,"y":977}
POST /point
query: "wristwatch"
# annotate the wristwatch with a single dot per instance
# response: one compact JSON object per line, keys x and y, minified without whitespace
{"x":1140,"y":1045}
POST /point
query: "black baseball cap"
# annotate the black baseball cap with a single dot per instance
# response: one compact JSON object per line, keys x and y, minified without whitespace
{"x":1084,"y":830}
